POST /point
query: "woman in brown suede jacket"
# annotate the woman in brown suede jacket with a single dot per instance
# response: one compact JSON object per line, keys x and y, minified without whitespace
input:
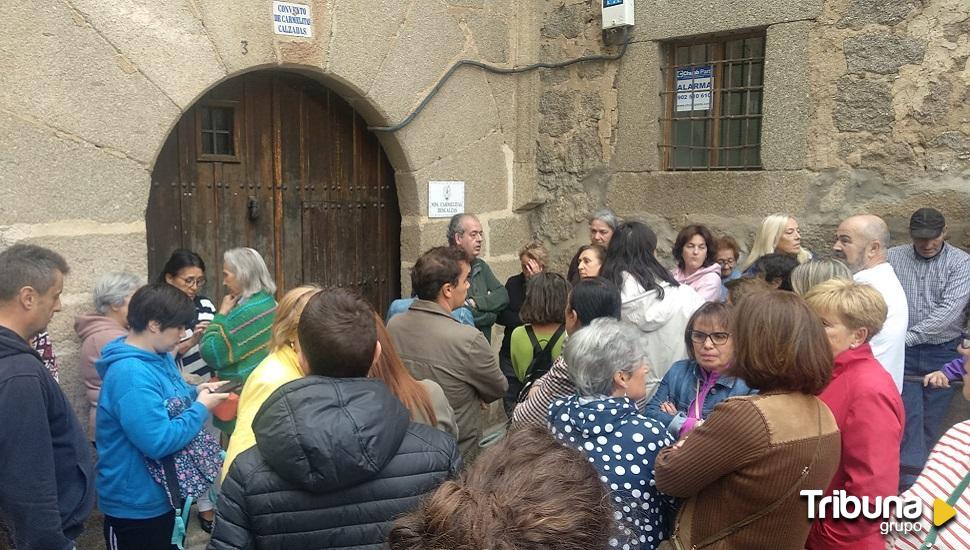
{"x":743,"y":469}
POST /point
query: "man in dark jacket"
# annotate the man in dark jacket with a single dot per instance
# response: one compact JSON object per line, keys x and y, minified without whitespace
{"x":337,"y":458}
{"x":46,"y":481}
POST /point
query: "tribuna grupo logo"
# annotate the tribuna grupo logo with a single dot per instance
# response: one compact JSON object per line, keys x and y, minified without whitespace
{"x":897,"y":514}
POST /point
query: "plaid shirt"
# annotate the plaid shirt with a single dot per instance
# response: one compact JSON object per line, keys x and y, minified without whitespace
{"x":937,"y":290}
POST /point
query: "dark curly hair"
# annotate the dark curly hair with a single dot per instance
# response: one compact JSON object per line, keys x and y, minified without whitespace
{"x":685,"y":235}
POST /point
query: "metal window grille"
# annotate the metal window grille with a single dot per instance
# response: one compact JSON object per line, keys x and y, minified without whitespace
{"x":712,"y":101}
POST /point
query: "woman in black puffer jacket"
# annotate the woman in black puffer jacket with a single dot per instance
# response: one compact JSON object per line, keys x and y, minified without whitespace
{"x":336,"y":462}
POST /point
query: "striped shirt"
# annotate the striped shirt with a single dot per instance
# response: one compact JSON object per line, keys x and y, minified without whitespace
{"x":554,"y":385}
{"x":948,"y":464}
{"x":937,"y":290}
{"x":192,"y":362}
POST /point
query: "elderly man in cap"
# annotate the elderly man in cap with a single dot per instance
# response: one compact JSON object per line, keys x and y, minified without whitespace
{"x":936,"y":278}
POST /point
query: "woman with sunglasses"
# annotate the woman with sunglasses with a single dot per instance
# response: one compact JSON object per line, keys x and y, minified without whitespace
{"x":692,"y":387}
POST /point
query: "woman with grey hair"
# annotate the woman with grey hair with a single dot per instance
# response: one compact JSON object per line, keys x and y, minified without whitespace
{"x":608,"y":364}
{"x":238,"y":337}
{"x":602,"y":224}
{"x":112,"y":292}
{"x":818,"y":270}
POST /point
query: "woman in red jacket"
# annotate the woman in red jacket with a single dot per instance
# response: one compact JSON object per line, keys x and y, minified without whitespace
{"x":867,"y":408}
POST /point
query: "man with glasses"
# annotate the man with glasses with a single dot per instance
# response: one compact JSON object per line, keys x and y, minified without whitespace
{"x":487,"y":296}
{"x":936,"y":278}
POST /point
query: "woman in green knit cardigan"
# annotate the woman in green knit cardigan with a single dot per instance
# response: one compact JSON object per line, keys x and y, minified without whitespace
{"x":238,"y":337}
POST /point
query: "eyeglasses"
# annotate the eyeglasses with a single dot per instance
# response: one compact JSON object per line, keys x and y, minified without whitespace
{"x":194,"y":283}
{"x":726,"y":261}
{"x":717,"y":338}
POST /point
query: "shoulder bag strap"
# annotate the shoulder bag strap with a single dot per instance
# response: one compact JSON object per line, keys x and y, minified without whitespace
{"x":732,"y":529}
{"x":181,"y":504}
{"x":954,"y":498}
{"x":536,"y":348}
{"x":171,"y":481}
{"x":555,"y":337}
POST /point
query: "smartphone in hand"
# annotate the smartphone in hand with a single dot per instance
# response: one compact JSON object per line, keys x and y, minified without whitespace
{"x":232,"y":386}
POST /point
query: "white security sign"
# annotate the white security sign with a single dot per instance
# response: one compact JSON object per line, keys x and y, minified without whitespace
{"x":694,"y":88}
{"x":445,"y":198}
{"x":292,"y":19}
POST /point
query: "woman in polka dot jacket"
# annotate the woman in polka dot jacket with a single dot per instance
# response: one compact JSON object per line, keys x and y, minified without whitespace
{"x":607,"y":363}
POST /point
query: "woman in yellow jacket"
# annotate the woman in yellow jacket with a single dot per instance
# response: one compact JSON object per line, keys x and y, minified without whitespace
{"x":279,"y":367}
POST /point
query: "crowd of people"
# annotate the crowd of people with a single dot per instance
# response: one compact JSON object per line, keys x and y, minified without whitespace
{"x":648,"y":406}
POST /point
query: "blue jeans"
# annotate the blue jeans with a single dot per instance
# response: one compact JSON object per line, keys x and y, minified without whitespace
{"x":926,"y":408}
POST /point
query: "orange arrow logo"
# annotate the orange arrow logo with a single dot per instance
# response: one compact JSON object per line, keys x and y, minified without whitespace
{"x":942,"y":512}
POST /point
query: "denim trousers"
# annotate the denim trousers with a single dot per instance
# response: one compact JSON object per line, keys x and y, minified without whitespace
{"x":926,"y":408}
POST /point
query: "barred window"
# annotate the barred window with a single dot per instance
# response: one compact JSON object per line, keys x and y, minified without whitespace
{"x":712,"y":101}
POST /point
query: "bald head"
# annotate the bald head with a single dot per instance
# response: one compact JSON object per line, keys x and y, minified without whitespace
{"x":862,"y":241}
{"x":873,"y":228}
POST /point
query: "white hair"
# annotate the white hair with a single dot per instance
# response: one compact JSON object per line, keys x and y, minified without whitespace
{"x":250,"y":270}
{"x":603,"y":348}
{"x":112,"y":289}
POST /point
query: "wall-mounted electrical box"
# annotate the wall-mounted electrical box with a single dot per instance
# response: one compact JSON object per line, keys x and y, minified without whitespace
{"x":617,"y":13}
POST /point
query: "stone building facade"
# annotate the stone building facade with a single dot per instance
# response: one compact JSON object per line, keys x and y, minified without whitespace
{"x":91,"y":90}
{"x":865,"y":108}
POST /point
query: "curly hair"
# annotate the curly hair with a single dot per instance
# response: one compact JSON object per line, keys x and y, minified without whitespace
{"x":526,"y":492}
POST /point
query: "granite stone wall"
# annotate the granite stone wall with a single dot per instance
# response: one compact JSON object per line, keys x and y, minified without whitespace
{"x":865,"y":110}
{"x":90,"y":91}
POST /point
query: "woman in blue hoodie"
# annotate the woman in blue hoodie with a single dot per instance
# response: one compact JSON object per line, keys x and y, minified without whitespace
{"x":608,"y":363}
{"x":133,"y":421}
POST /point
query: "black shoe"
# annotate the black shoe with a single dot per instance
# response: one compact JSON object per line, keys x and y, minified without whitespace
{"x":206,"y":524}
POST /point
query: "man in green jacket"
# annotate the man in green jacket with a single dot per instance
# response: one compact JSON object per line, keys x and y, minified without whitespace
{"x":487,"y":296}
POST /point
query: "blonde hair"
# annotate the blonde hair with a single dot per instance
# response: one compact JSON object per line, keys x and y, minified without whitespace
{"x":857,"y":305}
{"x":766,"y":240}
{"x":537,"y":251}
{"x":288,"y":315}
{"x":811,"y":273}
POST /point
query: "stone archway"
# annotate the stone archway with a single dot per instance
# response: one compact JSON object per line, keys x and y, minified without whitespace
{"x":276,"y":161}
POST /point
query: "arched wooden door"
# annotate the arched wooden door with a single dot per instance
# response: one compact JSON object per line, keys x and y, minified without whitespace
{"x":276,"y":162}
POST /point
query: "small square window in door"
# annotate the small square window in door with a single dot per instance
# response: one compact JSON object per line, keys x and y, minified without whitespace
{"x":218,"y":131}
